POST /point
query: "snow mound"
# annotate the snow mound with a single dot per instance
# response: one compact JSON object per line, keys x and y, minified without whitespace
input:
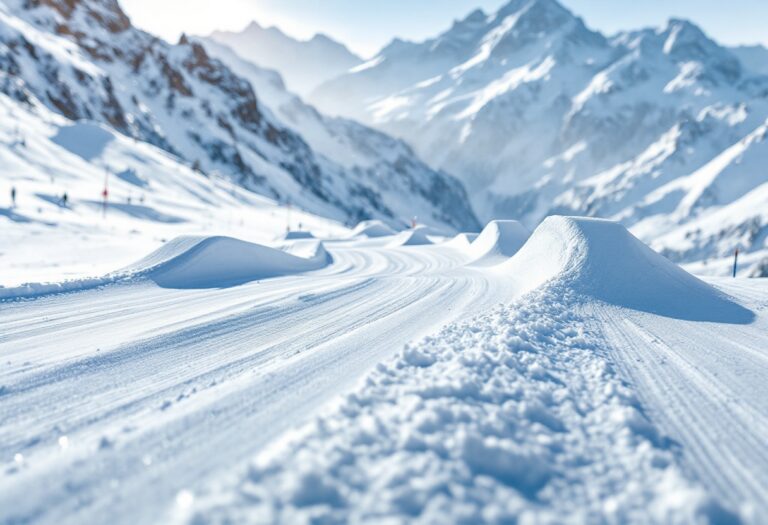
{"x":296,"y":235}
{"x":602,"y":260}
{"x":462,"y":241}
{"x":310,"y":249}
{"x":372,"y":229}
{"x":499,"y":240}
{"x":415,"y":237}
{"x":218,"y":262}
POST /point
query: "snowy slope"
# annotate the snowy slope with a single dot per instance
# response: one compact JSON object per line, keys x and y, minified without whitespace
{"x":153,"y":197}
{"x":84,"y":60}
{"x":538,"y":114}
{"x":304,"y":64}
{"x":754,"y":57}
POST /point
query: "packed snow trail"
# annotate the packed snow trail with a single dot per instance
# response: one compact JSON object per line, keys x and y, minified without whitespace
{"x":706,"y":385}
{"x":529,"y":413}
{"x":114,"y":400}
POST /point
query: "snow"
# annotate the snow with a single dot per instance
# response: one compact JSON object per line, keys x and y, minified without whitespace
{"x":296,"y":235}
{"x":372,"y":229}
{"x":519,"y":415}
{"x":198,"y":352}
{"x":538,"y":115}
{"x":84,"y":139}
{"x":601,"y":260}
{"x":418,"y":236}
{"x":498,"y":241}
{"x":462,"y":241}
{"x":217,"y":262}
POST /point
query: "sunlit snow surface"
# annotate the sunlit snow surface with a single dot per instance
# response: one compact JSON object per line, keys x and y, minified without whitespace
{"x":585,"y":378}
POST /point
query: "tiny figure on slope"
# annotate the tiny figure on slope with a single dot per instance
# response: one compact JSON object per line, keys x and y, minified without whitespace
{"x":13,"y":196}
{"x":64,"y":200}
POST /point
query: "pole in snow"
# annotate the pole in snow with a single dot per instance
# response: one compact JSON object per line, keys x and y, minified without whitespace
{"x":288,"y":215}
{"x":105,"y":193}
{"x":735,"y":263}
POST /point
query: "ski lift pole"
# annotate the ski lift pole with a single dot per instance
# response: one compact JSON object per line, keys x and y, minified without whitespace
{"x":105,"y":192}
{"x":735,"y":263}
{"x":288,"y":215}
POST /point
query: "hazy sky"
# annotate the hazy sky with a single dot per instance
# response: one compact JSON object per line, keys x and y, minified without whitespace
{"x":366,"y":25}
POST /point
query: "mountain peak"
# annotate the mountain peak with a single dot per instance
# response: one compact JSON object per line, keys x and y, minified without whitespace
{"x":539,"y":6}
{"x":683,"y":36}
{"x":476,"y":16}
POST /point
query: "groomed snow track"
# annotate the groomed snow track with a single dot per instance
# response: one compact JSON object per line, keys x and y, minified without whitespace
{"x":610,"y":386}
{"x":115,"y":399}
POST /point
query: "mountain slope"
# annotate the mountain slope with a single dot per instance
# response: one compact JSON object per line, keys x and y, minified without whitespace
{"x":304,"y":64}
{"x":387,"y":162}
{"x":754,"y":58}
{"x":538,"y":114}
{"x":84,"y":60}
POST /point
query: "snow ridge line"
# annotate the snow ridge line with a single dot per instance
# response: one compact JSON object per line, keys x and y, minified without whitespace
{"x":516,"y":416}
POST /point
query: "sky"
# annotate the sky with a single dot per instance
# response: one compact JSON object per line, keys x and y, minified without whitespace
{"x":367,"y":25}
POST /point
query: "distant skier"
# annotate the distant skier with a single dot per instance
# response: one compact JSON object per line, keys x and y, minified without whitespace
{"x":64,"y":200}
{"x":13,"y":196}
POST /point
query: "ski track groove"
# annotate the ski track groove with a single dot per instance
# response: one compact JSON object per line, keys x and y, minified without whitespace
{"x":690,"y":377}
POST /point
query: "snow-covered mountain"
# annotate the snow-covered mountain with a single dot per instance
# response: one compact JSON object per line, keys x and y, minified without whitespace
{"x":753,"y":57}
{"x":84,"y":60}
{"x":537,"y":114}
{"x":304,"y":64}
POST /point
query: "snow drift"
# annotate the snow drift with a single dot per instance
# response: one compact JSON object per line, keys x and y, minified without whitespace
{"x":602,"y":260}
{"x":499,"y":240}
{"x":372,"y":230}
{"x":218,"y":262}
{"x":416,"y":237}
{"x":462,"y":241}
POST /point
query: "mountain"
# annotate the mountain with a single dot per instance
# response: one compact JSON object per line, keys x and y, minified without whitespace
{"x":754,"y":58}
{"x":84,"y":60}
{"x":539,"y":114}
{"x":371,"y":155}
{"x":303,"y":64}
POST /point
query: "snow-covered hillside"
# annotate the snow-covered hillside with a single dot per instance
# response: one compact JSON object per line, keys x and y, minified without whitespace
{"x":152,"y":197}
{"x":537,"y":114}
{"x":386,"y":163}
{"x":84,"y":60}
{"x":303,"y":64}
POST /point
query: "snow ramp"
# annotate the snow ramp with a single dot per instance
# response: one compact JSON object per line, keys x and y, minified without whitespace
{"x":220,"y":262}
{"x":602,"y":260}
{"x":296,"y":235}
{"x":498,"y":241}
{"x":415,"y":237}
{"x":372,"y":230}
